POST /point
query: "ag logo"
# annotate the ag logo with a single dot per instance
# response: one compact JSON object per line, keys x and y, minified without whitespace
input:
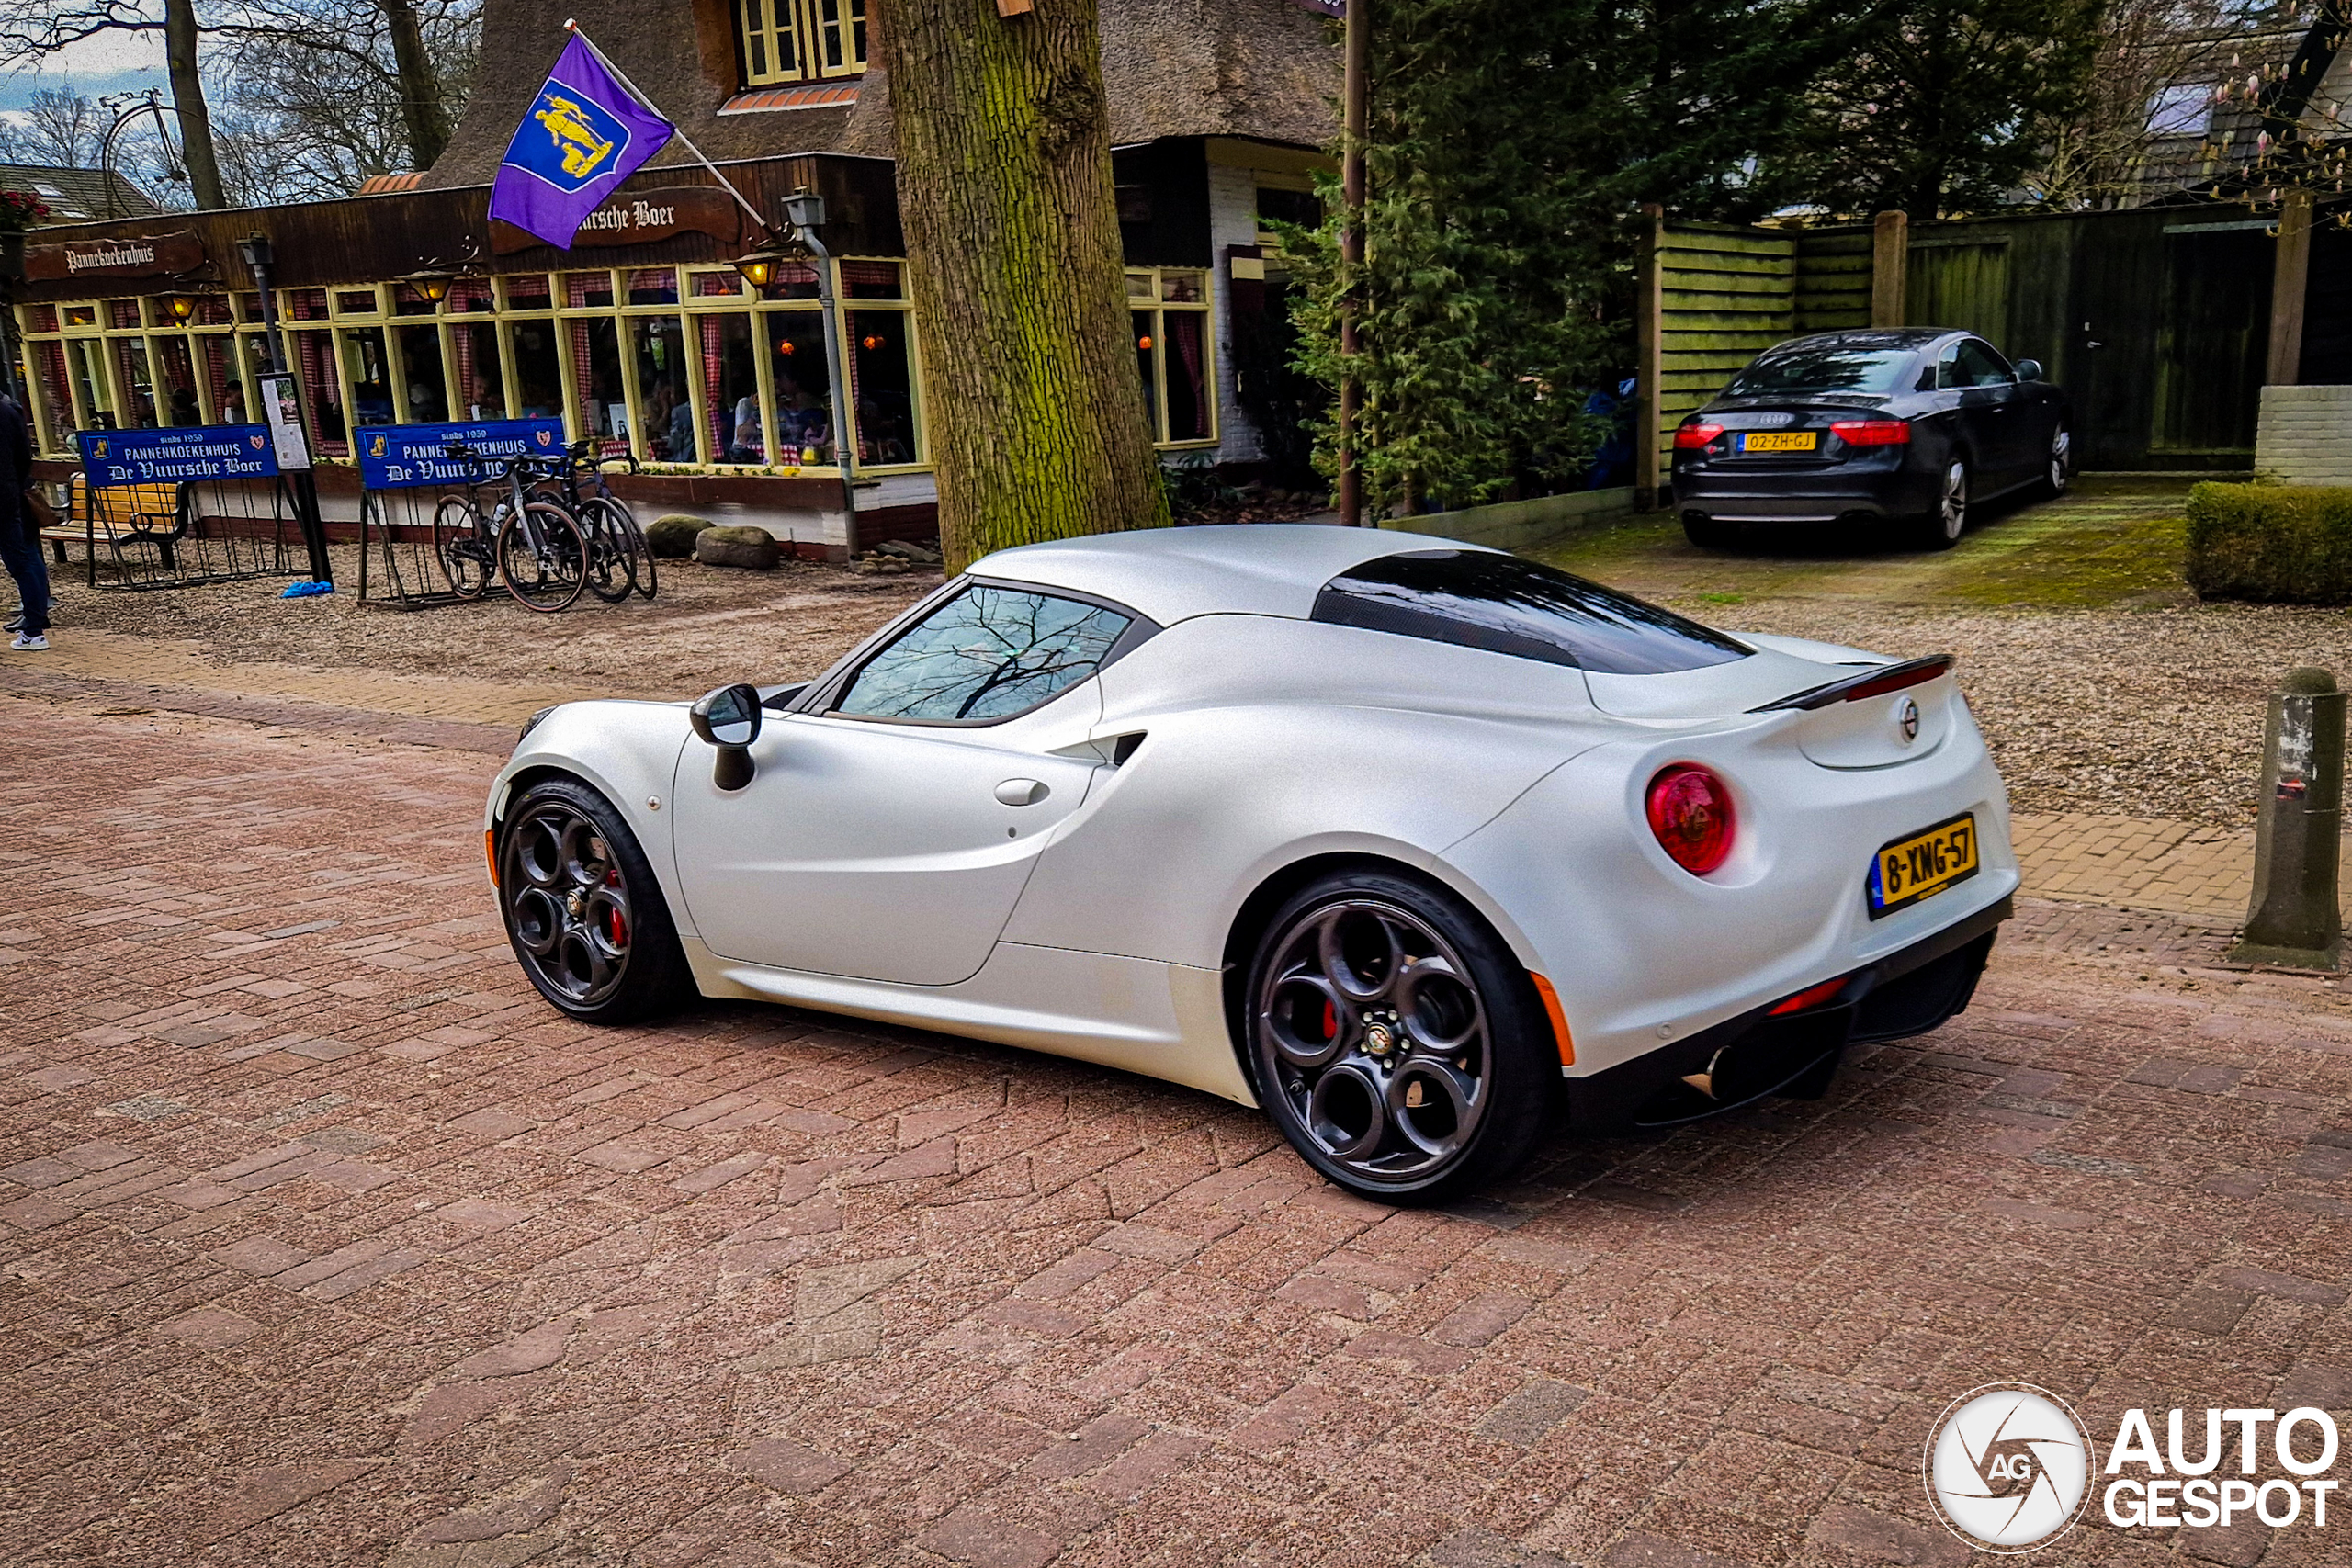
{"x":2008,"y":1467}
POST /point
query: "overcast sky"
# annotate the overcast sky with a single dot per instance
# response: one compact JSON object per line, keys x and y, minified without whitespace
{"x":110,"y":62}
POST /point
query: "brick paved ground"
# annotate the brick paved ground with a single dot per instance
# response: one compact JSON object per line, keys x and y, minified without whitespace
{"x":323,"y":1241}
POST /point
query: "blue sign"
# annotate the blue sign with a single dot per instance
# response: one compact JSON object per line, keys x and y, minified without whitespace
{"x":178,"y":455}
{"x":396,"y":457}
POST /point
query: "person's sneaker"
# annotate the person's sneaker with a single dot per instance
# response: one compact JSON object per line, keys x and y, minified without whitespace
{"x":29,"y":642}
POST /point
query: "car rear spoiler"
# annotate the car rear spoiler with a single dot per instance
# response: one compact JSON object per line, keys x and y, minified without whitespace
{"x":1876,"y":682}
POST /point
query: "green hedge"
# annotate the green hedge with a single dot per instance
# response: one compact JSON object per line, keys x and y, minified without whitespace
{"x":2272,"y":543}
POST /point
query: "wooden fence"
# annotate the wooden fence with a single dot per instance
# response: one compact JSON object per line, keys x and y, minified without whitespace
{"x":2157,"y":322}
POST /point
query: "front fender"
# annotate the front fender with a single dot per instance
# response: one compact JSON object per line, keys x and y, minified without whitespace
{"x":629,"y":753}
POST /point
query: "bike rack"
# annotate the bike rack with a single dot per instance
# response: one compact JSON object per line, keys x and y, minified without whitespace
{"x":396,"y":531}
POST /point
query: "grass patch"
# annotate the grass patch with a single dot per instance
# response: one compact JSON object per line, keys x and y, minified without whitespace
{"x":2102,"y":550}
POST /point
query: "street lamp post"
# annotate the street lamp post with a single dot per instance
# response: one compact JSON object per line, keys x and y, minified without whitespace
{"x":280,"y":384}
{"x":806,"y":209}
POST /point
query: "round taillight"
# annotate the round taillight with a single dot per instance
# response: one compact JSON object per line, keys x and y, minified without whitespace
{"x":1690,"y":810}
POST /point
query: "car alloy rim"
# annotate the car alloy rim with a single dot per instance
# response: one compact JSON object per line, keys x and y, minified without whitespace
{"x":1955,"y":504}
{"x":2060,"y":445}
{"x":1370,"y":1028}
{"x":567,"y":902}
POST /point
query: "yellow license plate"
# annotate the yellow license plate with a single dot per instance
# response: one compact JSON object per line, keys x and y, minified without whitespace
{"x":1777,"y":441}
{"x":1923,"y":866}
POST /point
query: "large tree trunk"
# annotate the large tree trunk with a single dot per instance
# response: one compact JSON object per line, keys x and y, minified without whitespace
{"x":1037,"y":422}
{"x":427,"y":118}
{"x":188,"y":97}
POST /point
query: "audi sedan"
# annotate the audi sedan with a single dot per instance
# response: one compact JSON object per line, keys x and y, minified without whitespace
{"x":1908,"y":427}
{"x":1428,"y":851}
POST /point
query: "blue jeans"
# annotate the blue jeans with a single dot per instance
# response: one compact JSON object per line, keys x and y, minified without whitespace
{"x":20,"y":550}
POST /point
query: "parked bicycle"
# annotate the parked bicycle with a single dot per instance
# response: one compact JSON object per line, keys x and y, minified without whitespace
{"x":533,"y":546}
{"x":618,"y":558}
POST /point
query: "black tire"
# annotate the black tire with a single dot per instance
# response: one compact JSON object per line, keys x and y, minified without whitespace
{"x":566,"y":864}
{"x":1707,"y":534}
{"x":612,"y":572}
{"x":547,"y":577}
{"x":1940,"y":529}
{"x":614,"y":521}
{"x":1411,"y":1083}
{"x":468,"y":562}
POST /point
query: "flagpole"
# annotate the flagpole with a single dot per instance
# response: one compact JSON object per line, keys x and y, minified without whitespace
{"x":638,"y":93}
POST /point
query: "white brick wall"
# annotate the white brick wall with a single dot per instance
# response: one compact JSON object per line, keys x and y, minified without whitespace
{"x":1233,"y":220}
{"x":2305,"y":436}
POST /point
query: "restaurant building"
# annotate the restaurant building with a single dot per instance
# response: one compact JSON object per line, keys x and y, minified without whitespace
{"x":404,"y":303}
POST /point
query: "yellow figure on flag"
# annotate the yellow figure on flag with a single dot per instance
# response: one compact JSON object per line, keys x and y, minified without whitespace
{"x":568,"y":124}
{"x":377,"y":450}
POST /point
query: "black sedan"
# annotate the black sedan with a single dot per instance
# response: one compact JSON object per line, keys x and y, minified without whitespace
{"x":1910,"y":425}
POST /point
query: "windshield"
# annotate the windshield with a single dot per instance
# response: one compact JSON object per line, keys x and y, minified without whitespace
{"x":1504,"y":605}
{"x":1822,"y":367}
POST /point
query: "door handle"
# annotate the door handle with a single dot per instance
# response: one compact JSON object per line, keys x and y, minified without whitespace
{"x":1021,"y":792}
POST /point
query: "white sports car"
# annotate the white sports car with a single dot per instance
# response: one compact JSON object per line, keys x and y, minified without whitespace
{"x":1425,"y":848}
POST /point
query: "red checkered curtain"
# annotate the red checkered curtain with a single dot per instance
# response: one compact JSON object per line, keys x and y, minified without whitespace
{"x":49,"y":366}
{"x":1184,"y":327}
{"x":329,"y":415}
{"x":216,"y":351}
{"x":461,"y":397}
{"x":592,"y":418}
{"x":714,"y":377}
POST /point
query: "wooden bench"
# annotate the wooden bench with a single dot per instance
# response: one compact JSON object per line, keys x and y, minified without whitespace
{"x":154,"y":514}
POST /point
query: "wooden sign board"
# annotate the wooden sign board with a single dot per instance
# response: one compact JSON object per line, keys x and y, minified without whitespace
{"x":640,"y":219}
{"x":103,"y":261}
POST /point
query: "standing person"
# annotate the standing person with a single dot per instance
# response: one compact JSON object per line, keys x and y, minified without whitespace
{"x":19,"y":543}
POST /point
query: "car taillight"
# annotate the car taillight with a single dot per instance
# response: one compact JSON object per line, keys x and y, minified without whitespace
{"x":1689,"y":437}
{"x":1872,"y":432}
{"x":1690,"y":810}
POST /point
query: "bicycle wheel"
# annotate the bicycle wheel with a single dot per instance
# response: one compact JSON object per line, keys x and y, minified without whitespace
{"x":610,"y":571}
{"x":613,"y":519}
{"x":462,"y":546}
{"x":542,"y":558}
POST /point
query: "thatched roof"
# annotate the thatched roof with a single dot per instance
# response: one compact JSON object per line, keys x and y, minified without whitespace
{"x":1263,"y":69}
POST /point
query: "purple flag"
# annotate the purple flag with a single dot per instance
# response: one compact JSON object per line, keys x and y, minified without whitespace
{"x":586,"y":133}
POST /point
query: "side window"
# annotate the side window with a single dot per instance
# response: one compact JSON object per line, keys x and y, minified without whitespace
{"x":1948,"y":371}
{"x":988,"y":653}
{"x":1982,"y":365}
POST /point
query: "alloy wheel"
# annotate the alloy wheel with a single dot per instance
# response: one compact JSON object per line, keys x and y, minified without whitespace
{"x":1951,"y":513}
{"x":1369,"y":1027}
{"x":2061,"y":456}
{"x":567,"y":902}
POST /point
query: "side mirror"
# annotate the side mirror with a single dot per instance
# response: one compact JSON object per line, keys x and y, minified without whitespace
{"x":728,"y":718}
{"x":2029,"y":369}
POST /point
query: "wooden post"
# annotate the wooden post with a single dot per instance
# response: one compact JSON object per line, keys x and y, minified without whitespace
{"x":1889,"y":261}
{"x":1354,"y":117}
{"x":2291,"y":279}
{"x":1649,"y":333}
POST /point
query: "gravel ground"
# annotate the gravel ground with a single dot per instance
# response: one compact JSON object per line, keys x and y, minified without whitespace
{"x":2144,"y":713}
{"x":2153,"y":713}
{"x":706,"y":625}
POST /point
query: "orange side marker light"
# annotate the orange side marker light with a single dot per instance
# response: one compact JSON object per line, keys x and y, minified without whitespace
{"x":489,"y":851}
{"x":1559,"y":1018}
